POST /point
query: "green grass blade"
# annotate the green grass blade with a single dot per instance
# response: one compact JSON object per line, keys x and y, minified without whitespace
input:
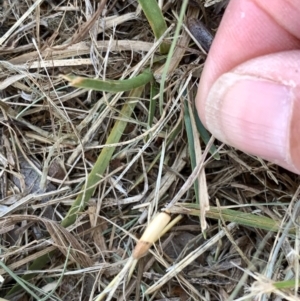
{"x":170,"y":54}
{"x":21,"y":282}
{"x":287,"y":284}
{"x":93,"y":178}
{"x":152,"y":106}
{"x":156,"y":20}
{"x":114,"y":86}
{"x":38,"y":264}
{"x":191,"y":145}
{"x":229,"y":215}
{"x":205,"y":136}
{"x":102,"y":161}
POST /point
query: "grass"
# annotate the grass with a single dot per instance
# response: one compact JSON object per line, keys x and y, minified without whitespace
{"x":85,"y":167}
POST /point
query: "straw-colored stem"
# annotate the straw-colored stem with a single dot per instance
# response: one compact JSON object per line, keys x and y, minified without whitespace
{"x":113,"y":285}
{"x":151,"y":234}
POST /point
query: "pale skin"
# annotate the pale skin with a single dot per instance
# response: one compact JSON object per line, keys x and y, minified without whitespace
{"x":249,"y":92}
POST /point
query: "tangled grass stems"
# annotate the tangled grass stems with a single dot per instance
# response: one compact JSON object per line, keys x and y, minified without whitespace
{"x":45,"y":124}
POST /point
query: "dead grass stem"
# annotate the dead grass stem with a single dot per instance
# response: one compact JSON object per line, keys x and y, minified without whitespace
{"x":83,"y":172}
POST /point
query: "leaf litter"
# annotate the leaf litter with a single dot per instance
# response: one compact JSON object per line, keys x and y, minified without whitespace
{"x":51,"y":138}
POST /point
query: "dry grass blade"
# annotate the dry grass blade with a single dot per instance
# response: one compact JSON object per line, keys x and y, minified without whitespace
{"x":62,"y":238}
{"x":180,"y":50}
{"x":19,"y":22}
{"x":165,"y":69}
{"x":83,"y":171}
{"x":102,"y":162}
{"x":192,"y":177}
{"x":77,"y":49}
{"x":83,"y":31}
{"x":196,"y":154}
{"x":156,"y":228}
{"x":111,"y":288}
{"x":177,"y":268}
{"x":19,"y":281}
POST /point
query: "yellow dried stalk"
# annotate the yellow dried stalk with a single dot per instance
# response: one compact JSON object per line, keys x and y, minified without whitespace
{"x":152,"y":233}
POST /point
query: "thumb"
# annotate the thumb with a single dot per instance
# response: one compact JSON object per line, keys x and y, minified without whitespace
{"x":256,"y":107}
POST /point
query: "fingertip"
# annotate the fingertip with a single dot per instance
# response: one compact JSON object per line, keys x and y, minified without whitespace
{"x":294,"y":140}
{"x":256,"y":108}
{"x":250,"y":114}
{"x":249,"y":29}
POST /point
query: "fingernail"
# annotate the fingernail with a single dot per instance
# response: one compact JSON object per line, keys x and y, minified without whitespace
{"x":251,"y":114}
